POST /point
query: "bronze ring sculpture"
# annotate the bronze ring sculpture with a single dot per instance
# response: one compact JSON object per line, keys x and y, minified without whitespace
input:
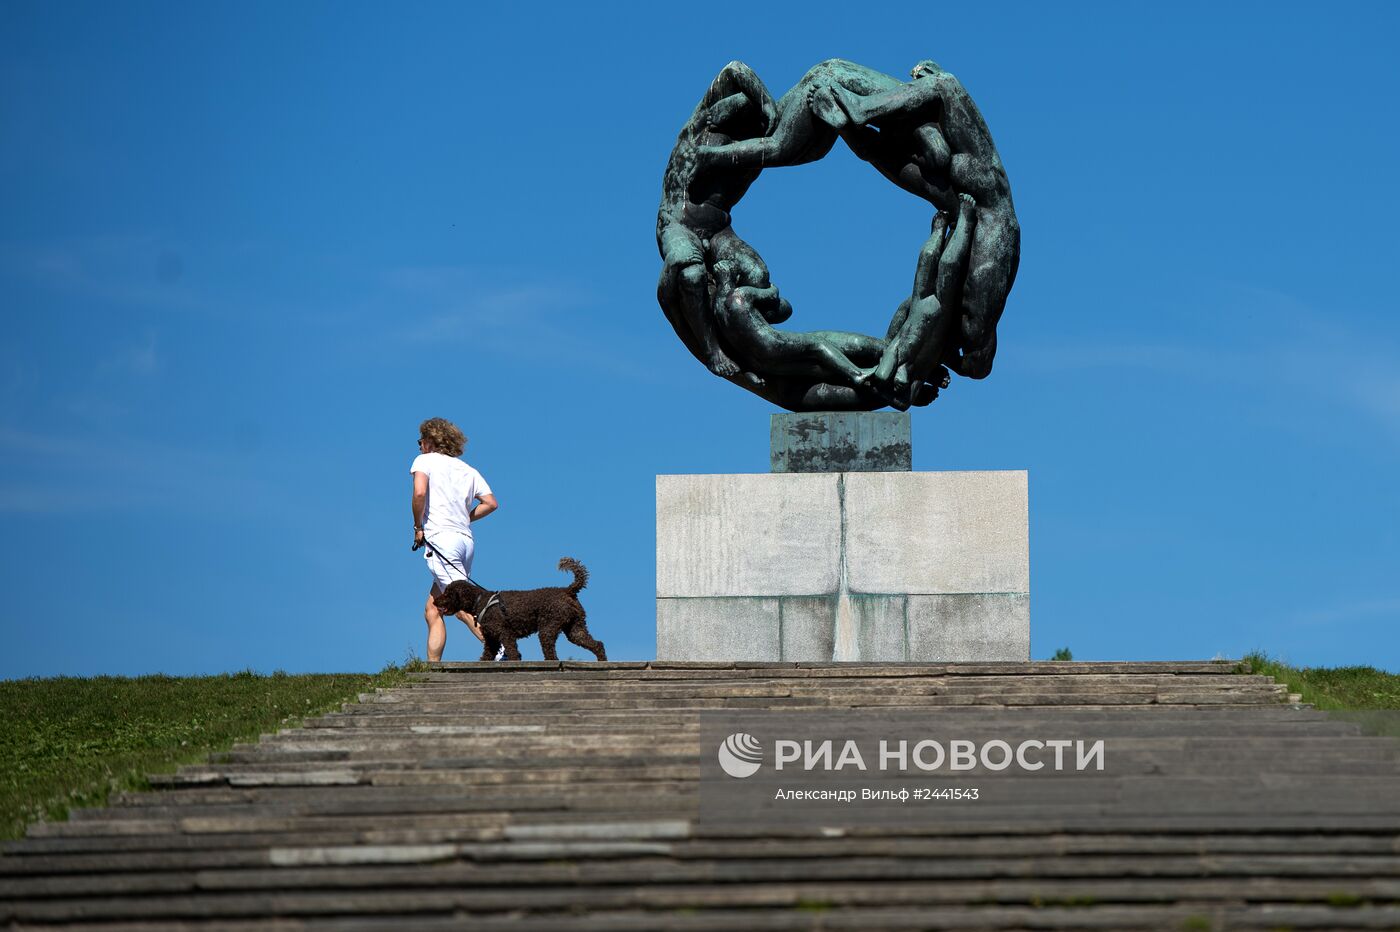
{"x":926,"y":136}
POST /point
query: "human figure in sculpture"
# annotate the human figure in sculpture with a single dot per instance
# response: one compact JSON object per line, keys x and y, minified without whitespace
{"x":918,"y":330}
{"x":747,"y":306}
{"x":926,"y":136}
{"x":951,"y":151}
{"x":694,"y":208}
{"x":797,"y":135}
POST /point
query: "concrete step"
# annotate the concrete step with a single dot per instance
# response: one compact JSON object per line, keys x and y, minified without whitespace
{"x":544,"y":888}
{"x":340,"y":849}
{"x":554,"y":795}
{"x":579,"y":683}
{"x":826,"y":668}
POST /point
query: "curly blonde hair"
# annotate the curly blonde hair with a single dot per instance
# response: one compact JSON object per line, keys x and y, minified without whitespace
{"x":443,"y":435}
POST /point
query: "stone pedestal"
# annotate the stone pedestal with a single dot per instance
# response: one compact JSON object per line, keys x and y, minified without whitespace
{"x":847,"y":565}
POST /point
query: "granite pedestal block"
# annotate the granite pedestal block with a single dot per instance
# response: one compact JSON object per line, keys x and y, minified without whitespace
{"x":874,"y":566}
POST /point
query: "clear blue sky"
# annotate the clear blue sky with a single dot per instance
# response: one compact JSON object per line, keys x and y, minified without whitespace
{"x":246,"y":247}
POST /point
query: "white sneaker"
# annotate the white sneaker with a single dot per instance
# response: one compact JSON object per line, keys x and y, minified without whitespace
{"x":500,"y":652}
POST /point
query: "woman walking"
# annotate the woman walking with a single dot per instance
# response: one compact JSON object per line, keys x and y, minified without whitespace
{"x":448,"y":495}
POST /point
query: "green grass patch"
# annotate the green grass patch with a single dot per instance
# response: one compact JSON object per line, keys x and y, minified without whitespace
{"x":1333,"y":688}
{"x":67,"y":742}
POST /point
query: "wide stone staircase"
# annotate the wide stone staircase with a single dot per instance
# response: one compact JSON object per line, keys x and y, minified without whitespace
{"x":566,"y":796}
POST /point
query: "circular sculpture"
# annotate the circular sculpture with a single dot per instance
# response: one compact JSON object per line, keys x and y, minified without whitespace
{"x":925,"y":135}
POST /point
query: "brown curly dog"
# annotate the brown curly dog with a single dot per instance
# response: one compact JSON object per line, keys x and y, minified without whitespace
{"x":520,"y":613}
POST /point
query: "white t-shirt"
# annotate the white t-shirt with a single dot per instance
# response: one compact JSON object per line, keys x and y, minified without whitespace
{"x":453,"y":488}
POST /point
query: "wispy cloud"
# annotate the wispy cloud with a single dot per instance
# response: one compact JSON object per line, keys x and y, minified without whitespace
{"x":140,"y":358}
{"x":129,"y":270}
{"x":470,"y":310}
{"x":62,"y":473}
{"x":433,"y":281}
{"x":39,"y":499}
{"x":1362,"y":610}
{"x":1375,"y":387}
{"x":499,"y":317}
{"x":1273,"y":343}
{"x":1157,"y":357}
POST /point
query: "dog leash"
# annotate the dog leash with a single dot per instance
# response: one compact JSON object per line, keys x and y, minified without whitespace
{"x":436,"y":551}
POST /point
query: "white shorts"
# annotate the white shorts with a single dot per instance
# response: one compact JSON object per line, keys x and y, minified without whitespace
{"x":453,"y":562}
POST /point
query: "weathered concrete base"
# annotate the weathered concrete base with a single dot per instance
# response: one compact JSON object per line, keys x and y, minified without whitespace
{"x":932,"y":628}
{"x":927,"y":566}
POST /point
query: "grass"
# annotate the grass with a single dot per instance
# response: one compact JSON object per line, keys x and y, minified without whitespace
{"x":68,"y":742}
{"x":1333,"y":688}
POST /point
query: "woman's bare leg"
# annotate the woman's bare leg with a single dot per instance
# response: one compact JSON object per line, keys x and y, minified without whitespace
{"x":437,"y":631}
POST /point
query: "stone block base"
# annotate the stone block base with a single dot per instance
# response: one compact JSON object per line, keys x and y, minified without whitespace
{"x":874,"y":566}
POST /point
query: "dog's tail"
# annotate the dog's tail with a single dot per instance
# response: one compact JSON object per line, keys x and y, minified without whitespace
{"x":569,"y":564}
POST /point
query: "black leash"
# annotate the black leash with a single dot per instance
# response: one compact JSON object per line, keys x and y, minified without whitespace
{"x":435,"y":551}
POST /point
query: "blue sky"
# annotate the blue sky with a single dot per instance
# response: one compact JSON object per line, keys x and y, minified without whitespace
{"x":245,"y":248}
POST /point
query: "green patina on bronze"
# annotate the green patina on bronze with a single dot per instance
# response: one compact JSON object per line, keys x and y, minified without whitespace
{"x":925,"y":135}
{"x":840,"y":441}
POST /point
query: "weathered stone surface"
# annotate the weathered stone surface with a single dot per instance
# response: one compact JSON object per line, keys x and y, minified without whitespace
{"x":938,"y":532}
{"x":808,"y":627}
{"x":747,"y":535}
{"x":896,"y":534}
{"x":983,"y":626}
{"x":880,"y":627}
{"x":841,"y":441}
{"x":717,"y":629}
